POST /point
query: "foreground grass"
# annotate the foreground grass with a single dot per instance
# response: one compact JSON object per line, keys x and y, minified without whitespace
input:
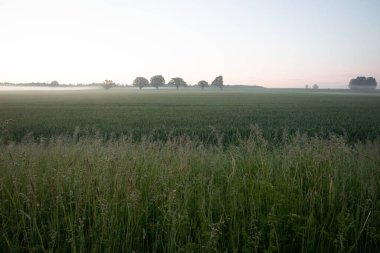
{"x":93,"y":195}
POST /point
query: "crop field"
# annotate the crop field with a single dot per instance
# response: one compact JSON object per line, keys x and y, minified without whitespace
{"x":162,"y":114}
{"x":254,"y":170}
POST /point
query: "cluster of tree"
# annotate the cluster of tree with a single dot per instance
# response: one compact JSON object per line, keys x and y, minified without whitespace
{"x":108,"y":84}
{"x":51,"y":84}
{"x":155,"y":81}
{"x":37,"y":84}
{"x":314,"y":86}
{"x":158,"y":81}
{"x":218,"y":82}
{"x":362,"y":82}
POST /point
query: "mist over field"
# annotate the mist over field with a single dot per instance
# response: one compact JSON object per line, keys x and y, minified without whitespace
{"x":189,"y":126}
{"x":276,"y":44}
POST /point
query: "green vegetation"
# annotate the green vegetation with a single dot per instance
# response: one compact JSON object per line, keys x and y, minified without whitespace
{"x":157,"y":81}
{"x":177,"y":82}
{"x":203,"y":84}
{"x":363,"y":83}
{"x":108,"y":84}
{"x":185,"y":171}
{"x":218,"y":82}
{"x":163,"y":113}
{"x":140,"y":82}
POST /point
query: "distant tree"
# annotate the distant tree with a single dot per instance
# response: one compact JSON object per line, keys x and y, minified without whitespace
{"x":362,"y":82}
{"x":218,"y":82}
{"x":315,"y":86}
{"x":203,"y":84}
{"x":54,"y":83}
{"x":140,"y":82}
{"x":157,"y":81}
{"x":306,"y":86}
{"x":177,"y":82}
{"x":108,"y":84}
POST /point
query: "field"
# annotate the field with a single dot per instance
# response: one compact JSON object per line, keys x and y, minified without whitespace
{"x":251,"y":170}
{"x":161,"y":114}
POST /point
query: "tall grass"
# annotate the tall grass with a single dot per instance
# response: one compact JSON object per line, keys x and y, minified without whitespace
{"x":89,"y":194}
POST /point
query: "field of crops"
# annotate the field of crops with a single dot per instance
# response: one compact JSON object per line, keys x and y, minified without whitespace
{"x":161,"y":114}
{"x":189,"y":171}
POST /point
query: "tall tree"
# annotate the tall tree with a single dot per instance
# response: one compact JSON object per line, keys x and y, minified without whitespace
{"x":157,"y":81}
{"x":203,"y":84}
{"x":177,"y":82}
{"x":140,"y":82}
{"x":218,"y":82}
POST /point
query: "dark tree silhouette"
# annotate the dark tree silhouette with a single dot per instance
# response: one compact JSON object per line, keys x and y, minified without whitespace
{"x":361,"y":82}
{"x":54,"y":83}
{"x":203,"y":84}
{"x":108,"y":84}
{"x":177,"y":82}
{"x":315,"y":86}
{"x":218,"y":82}
{"x":140,"y":82}
{"x":157,"y":81}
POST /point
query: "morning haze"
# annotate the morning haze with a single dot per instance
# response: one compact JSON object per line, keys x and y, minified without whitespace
{"x":268,"y":43}
{"x":189,"y":126}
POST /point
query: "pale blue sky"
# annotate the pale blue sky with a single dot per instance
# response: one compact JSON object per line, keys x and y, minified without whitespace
{"x":271,"y":43}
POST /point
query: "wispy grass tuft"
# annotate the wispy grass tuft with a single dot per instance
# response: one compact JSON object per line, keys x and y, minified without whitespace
{"x":98,"y":194}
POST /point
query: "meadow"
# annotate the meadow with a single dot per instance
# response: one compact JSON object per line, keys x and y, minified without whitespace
{"x":189,"y":171}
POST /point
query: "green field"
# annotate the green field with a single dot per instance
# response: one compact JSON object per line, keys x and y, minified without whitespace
{"x":161,"y":114}
{"x":254,"y":170}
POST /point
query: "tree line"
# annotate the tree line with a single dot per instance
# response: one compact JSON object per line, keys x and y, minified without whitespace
{"x":140,"y":82}
{"x":159,"y":81}
{"x":358,"y":83}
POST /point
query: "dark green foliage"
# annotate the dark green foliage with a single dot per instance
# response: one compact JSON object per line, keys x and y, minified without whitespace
{"x":218,"y":82}
{"x":140,"y":82}
{"x":203,"y":84}
{"x":164,"y":114}
{"x":362,"y":82}
{"x":157,"y":81}
{"x":177,"y":82}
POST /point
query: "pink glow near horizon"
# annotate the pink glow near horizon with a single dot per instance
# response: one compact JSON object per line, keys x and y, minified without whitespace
{"x":271,"y":43}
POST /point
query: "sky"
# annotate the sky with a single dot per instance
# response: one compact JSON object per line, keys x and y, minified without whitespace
{"x":283,"y":43}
